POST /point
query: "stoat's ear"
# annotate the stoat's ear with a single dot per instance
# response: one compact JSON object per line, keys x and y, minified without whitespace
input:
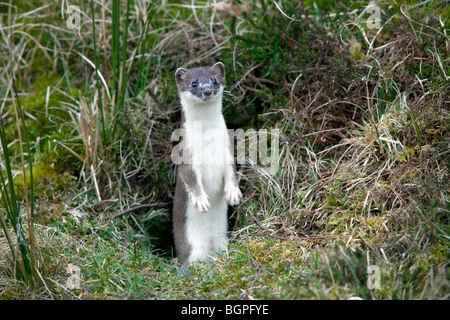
{"x":179,"y":74}
{"x":221,"y":69}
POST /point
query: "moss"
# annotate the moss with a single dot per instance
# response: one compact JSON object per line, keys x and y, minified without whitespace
{"x":374,"y":223}
{"x":46,"y":120}
{"x":331,"y":201}
{"x":46,"y":181}
{"x":406,"y":154}
{"x":339,"y":221}
{"x":355,"y":50}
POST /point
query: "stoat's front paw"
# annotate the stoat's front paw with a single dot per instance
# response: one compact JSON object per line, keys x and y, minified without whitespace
{"x":200,"y":203}
{"x":232,"y":194}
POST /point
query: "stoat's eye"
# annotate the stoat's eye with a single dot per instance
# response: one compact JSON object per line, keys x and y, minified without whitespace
{"x":194,"y":84}
{"x":214,"y":81}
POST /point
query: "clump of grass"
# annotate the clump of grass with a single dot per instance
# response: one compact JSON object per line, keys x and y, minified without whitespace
{"x":24,"y":250}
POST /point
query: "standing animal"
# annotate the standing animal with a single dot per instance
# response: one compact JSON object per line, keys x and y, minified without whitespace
{"x":206,"y":177}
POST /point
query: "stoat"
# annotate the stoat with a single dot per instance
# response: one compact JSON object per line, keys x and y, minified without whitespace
{"x":206,"y":177}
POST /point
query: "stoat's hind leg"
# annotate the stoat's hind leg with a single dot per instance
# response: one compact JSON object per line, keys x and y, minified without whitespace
{"x":220,"y":227}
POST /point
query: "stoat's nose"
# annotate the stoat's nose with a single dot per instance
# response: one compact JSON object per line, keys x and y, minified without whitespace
{"x":207,"y":92}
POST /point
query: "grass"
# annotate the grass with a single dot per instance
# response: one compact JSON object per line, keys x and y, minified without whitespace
{"x":364,"y":148}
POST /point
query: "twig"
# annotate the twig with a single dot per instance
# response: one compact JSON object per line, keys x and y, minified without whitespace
{"x":81,"y":158}
{"x":266,"y":231}
{"x":149,"y":205}
{"x":97,"y":191}
{"x":256,"y":277}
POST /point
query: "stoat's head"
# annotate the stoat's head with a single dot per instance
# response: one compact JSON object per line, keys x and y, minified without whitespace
{"x":201,"y":85}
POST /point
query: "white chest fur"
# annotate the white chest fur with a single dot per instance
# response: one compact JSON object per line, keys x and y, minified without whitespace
{"x":209,"y":147}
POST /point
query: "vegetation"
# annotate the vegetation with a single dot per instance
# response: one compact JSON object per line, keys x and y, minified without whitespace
{"x":89,"y":104}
